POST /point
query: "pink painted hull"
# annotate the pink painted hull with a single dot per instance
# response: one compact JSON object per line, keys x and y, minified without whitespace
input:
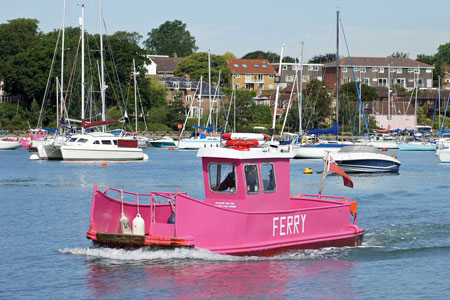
{"x":310,"y":222}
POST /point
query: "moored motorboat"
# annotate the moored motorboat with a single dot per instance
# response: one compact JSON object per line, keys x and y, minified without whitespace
{"x":8,"y":144}
{"x":163,"y":142}
{"x":365,"y":159}
{"x":238,"y":215}
{"x":417,"y":146}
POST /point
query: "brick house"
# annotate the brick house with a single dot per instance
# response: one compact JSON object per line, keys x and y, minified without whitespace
{"x":310,"y":71}
{"x":162,"y":65}
{"x":189,"y":92}
{"x":445,"y":83}
{"x":376,"y":71}
{"x":252,"y":74}
{"x":269,"y":100}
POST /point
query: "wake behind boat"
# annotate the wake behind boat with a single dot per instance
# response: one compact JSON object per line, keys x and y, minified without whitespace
{"x":365,"y":159}
{"x":247,"y":210}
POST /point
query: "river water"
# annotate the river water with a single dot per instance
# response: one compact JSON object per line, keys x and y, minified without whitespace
{"x":44,"y":253}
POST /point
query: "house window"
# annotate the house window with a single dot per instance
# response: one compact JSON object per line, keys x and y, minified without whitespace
{"x":382,"y":82}
{"x":345,"y":80}
{"x":285,"y":67}
{"x":249,"y":86}
{"x":268,"y":178}
{"x":237,"y":85}
{"x":271,"y":85}
{"x":344,"y":69}
{"x":237,"y":76}
{"x":365,"y":81}
{"x":244,"y":65}
{"x":236,"y":65}
{"x":188,"y":98}
{"x":410,"y":80}
{"x":392,"y":70}
{"x":401,"y":81}
{"x":264,"y":66}
{"x":399,"y":70}
{"x":294,"y":67}
{"x":447,"y":80}
{"x":289,"y":78}
{"x":222,"y":178}
{"x":248,"y":77}
{"x":188,"y":84}
{"x":176,"y":85}
{"x":381,"y":70}
{"x":417,"y":71}
{"x":374,"y":79}
{"x":271,"y":76}
{"x":316,"y":68}
{"x":356,"y":69}
{"x":260,"y":77}
{"x":310,"y":68}
{"x":197,"y":111}
{"x":363,"y":70}
{"x":410,"y":70}
{"x":428,"y":70}
{"x":251,"y":178}
{"x":256,"y":66}
{"x":306,"y":78}
{"x":374,"y":70}
{"x":199,"y":99}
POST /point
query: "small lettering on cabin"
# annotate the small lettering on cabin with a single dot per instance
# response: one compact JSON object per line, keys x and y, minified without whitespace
{"x":225,"y":204}
{"x":288,"y":225}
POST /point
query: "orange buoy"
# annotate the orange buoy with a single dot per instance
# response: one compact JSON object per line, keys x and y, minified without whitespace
{"x":394,"y":156}
{"x":104,"y":164}
{"x":171,"y":148}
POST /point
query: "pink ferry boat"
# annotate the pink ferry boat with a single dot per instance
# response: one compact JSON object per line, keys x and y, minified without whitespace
{"x":247,"y":210}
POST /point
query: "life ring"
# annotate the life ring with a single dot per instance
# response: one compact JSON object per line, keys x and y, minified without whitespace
{"x":304,"y":140}
{"x":241,"y":144}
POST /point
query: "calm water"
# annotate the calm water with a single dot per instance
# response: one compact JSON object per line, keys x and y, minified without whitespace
{"x":45,"y":214}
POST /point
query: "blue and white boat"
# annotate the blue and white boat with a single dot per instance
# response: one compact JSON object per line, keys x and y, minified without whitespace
{"x":417,"y":146}
{"x":365,"y":159}
{"x":164,"y":142}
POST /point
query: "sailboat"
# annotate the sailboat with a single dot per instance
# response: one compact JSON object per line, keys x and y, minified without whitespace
{"x":98,"y":145}
{"x":312,"y":147}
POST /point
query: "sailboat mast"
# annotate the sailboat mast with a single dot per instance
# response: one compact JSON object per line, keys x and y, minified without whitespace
{"x":389,"y":95}
{"x":82,"y":66}
{"x":337,"y":68}
{"x":102,"y":85}
{"x":277,"y":93}
{"x":209,"y":88}
{"x":199,"y":100}
{"x":135,"y":96}
{"x":300,"y":102}
{"x":61,"y":85}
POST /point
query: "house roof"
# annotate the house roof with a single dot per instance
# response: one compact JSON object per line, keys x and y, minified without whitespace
{"x":379,"y":62}
{"x":250,"y":66}
{"x":183,"y":83}
{"x":165,"y":64}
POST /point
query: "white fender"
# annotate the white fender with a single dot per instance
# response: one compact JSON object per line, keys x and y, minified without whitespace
{"x":138,"y":225}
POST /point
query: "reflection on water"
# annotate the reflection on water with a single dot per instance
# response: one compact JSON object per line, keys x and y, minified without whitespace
{"x":200,"y":274}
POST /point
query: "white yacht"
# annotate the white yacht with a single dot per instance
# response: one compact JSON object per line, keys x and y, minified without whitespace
{"x":101,"y":146}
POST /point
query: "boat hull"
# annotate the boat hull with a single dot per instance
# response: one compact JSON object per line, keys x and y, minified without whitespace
{"x":195,"y":144}
{"x":368,"y":166}
{"x":416,"y":146}
{"x":314,"y":152}
{"x":92,"y":154}
{"x":10,"y":145}
{"x":443,"y":155}
{"x":311,"y":222}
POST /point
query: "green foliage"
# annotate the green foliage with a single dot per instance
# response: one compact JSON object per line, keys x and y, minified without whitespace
{"x":229,"y":55}
{"x":323,"y":58}
{"x":33,"y":114}
{"x":176,"y":112}
{"x":196,"y":65}
{"x":270,"y":56}
{"x":315,"y":108}
{"x":171,"y":38}
{"x":399,"y":54}
{"x":437,"y":61}
{"x":12,"y":116}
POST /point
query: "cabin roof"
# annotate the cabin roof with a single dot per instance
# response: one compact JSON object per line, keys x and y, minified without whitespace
{"x":254,"y":153}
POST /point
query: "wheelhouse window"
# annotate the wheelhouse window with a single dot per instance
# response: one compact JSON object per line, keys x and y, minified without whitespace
{"x":222,"y":178}
{"x":82,"y":140}
{"x":251,"y":179}
{"x":106,"y":142}
{"x":268,"y":178}
{"x":96,"y":142}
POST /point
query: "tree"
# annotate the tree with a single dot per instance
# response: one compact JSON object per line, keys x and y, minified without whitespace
{"x":270,"y":56}
{"x":398,"y":54}
{"x":171,"y":38}
{"x":315,"y":107}
{"x":176,"y":112}
{"x":196,"y":65}
{"x":229,"y":55}
{"x":323,"y":58}
{"x":435,"y":60}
